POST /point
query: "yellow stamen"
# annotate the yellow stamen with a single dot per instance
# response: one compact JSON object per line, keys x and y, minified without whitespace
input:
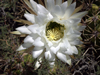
{"x":54,"y":31}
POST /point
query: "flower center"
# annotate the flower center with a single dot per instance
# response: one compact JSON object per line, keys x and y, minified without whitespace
{"x":54,"y":31}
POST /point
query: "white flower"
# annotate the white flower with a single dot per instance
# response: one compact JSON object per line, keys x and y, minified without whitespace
{"x":55,"y":30}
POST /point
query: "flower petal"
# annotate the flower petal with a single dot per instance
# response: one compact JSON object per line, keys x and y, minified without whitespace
{"x":66,"y":42}
{"x":74,"y":21}
{"x":58,"y":2}
{"x":28,"y":39}
{"x":69,"y":2}
{"x":37,"y":51}
{"x":37,"y":64}
{"x":77,"y":32}
{"x":34,"y":36}
{"x":33,"y":28}
{"x":69,"y":10}
{"x":50,"y":43}
{"x":64,"y":58}
{"x":36,"y":48}
{"x":42,"y":9}
{"x":72,"y":37}
{"x":23,"y":29}
{"x":52,"y":64}
{"x":50,"y":4}
{"x":49,"y":17}
{"x":79,"y":15}
{"x":71,"y":50}
{"x":21,"y":48}
{"x":80,"y":28}
{"x":68,"y":59}
{"x":74,"y":49}
{"x":30,"y":17}
{"x":55,"y":49}
{"x":75,"y":42}
{"x":57,"y":11}
{"x":34,"y":5}
{"x":27,"y":45}
{"x":49,"y":55}
{"x":38,"y":42}
{"x":64,"y":48}
{"x":41,"y":18}
{"x":63,"y":7}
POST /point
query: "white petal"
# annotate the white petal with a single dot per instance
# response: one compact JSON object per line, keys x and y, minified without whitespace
{"x":72,"y":37}
{"x":33,"y":28}
{"x":73,"y":31}
{"x":75,"y":51}
{"x":23,"y":29}
{"x":77,"y":32}
{"x":52,"y":64}
{"x":27,"y":45}
{"x":37,"y":64}
{"x":28,"y":39}
{"x":21,"y":48}
{"x":50,"y":43}
{"x":79,"y":15}
{"x":66,"y":43}
{"x":42,"y":9}
{"x":50,"y":4}
{"x":40,"y":19}
{"x":34,"y":5}
{"x":37,"y":52}
{"x":49,"y":17}
{"x":58,"y":2}
{"x":30,"y":17}
{"x":69,"y":2}
{"x":34,"y":36}
{"x":41,"y":30}
{"x":70,"y":31}
{"x":69,"y":10}
{"x":57,"y":11}
{"x":38,"y":42}
{"x":68,"y":51}
{"x":80,"y":28}
{"x":49,"y":56}
{"x":64,"y":57}
{"x":71,"y":50}
{"x":64,"y":6}
{"x":64,"y":48}
{"x":68,"y":59}
{"x":75,"y":42}
{"x":55,"y":49}
{"x":74,"y":21}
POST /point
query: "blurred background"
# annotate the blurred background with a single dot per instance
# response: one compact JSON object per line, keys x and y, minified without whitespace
{"x":87,"y":62}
